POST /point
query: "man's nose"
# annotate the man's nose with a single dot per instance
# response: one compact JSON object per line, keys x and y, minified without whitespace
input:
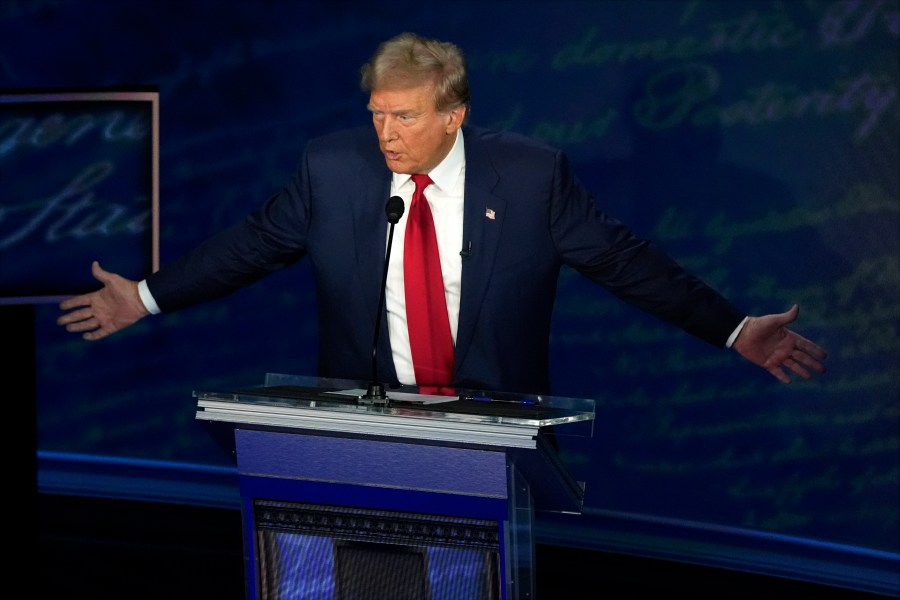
{"x":388,"y":130}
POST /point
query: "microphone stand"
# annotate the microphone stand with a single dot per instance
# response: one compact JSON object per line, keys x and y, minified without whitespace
{"x":375,"y":393}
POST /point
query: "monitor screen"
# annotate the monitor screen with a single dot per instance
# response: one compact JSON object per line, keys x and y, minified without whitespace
{"x":79,"y":181}
{"x":320,"y":551}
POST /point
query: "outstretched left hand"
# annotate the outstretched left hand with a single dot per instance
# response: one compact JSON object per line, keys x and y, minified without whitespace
{"x":767,"y":342}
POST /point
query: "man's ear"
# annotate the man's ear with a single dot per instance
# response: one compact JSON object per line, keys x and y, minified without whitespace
{"x":457,"y":116}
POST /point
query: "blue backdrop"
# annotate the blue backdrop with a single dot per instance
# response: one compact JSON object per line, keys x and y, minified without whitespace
{"x":756,"y":141}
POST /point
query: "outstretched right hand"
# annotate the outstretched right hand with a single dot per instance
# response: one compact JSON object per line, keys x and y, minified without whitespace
{"x":98,"y":314}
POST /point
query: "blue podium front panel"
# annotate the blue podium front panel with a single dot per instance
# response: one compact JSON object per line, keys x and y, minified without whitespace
{"x":381,"y":463}
{"x":327,"y":516}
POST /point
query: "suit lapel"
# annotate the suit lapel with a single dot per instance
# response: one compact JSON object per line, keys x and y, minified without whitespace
{"x":483,"y":215}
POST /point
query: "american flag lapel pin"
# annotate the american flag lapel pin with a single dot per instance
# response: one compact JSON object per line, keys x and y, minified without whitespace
{"x":490,"y":214}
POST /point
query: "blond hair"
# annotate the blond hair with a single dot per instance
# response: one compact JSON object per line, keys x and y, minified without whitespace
{"x":409,"y":60}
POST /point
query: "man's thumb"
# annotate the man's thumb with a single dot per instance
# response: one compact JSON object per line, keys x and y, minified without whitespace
{"x":791,"y":315}
{"x":98,"y":272}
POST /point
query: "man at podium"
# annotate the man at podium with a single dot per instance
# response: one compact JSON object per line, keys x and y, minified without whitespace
{"x":485,"y":220}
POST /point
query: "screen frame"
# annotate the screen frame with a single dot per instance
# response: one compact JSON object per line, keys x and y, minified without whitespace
{"x":101,"y":96}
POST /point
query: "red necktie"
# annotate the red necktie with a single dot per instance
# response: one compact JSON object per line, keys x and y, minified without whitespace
{"x":426,"y":305}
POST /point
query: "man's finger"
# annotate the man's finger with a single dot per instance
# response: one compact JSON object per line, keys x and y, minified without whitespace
{"x":797,"y":368}
{"x":94,"y":335}
{"x":82,"y":325}
{"x":779,"y":374}
{"x":811,"y":349}
{"x":73,"y":302}
{"x":74,"y":316}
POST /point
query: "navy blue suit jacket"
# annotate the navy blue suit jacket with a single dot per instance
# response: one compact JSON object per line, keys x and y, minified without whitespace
{"x":526,"y":215}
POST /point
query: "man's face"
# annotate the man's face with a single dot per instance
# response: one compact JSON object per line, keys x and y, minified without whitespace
{"x":414,"y":137}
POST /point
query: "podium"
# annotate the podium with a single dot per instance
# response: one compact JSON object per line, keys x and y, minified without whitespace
{"x":419,"y":497}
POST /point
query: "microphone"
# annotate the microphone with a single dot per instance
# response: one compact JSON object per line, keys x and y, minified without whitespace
{"x":466,"y":252}
{"x":394,"y":210}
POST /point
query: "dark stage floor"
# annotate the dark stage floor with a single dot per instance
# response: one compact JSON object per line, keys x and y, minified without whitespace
{"x":98,"y":548}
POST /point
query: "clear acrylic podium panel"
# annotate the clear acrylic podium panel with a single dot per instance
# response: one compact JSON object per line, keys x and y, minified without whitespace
{"x":471,"y":416}
{"x":332,"y":419}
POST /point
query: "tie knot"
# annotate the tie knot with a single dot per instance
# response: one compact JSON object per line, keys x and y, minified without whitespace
{"x":421,"y":180}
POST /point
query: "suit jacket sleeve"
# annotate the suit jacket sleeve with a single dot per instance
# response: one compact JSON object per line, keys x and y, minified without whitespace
{"x":270,"y":238}
{"x":633,"y":269}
